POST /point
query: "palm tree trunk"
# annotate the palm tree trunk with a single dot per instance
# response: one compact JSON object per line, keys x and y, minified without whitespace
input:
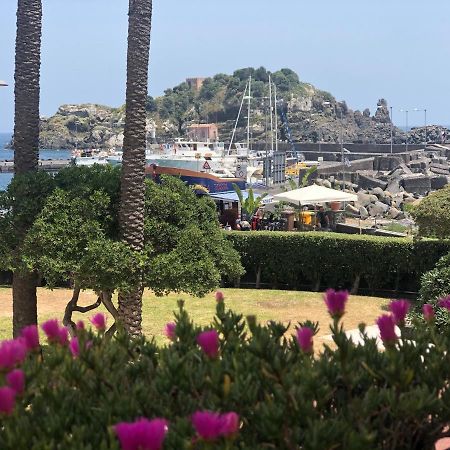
{"x":132,"y":196}
{"x":26,"y":137}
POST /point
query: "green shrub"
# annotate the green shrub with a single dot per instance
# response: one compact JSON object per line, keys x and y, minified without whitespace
{"x":353,"y":397}
{"x":331,"y":259}
{"x":434,"y":285}
{"x":432,"y":214}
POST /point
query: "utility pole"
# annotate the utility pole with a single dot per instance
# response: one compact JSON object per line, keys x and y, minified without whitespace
{"x":342,"y":153}
{"x":426,"y":134}
{"x":267,"y":147}
{"x":248,"y":113}
{"x":271,"y":115}
{"x":426,"y":138}
{"x":276,"y":117}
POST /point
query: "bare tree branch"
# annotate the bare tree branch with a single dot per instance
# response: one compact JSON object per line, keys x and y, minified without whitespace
{"x":67,"y":320}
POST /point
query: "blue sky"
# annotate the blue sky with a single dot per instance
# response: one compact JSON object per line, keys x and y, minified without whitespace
{"x":359,"y":50}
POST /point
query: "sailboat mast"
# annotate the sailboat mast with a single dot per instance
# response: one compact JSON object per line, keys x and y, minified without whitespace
{"x":248,"y":113}
{"x":237,"y":119}
{"x":271,"y":113}
{"x":276,"y":116}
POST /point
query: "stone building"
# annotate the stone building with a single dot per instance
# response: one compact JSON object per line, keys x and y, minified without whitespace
{"x":203,"y":132}
{"x":195,"y":83}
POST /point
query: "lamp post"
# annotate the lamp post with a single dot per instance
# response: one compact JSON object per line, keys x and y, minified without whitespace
{"x":321,"y":132}
{"x":425,"y":112}
{"x":392,"y":132}
{"x":406,"y":127}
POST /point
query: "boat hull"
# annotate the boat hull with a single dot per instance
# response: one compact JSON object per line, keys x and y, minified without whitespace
{"x":209,"y":181}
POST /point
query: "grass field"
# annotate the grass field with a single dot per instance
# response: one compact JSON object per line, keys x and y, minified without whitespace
{"x":284,"y":306}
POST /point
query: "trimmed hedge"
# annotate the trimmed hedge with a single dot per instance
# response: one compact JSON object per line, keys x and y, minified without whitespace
{"x":297,"y":260}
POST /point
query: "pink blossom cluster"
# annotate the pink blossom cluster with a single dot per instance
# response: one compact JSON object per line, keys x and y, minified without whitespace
{"x":144,"y":434}
{"x":387,"y":322}
{"x":445,"y":302}
{"x":305,"y":339}
{"x":335,"y":301}
{"x":210,"y":426}
{"x":12,"y":355}
{"x":208,"y":341}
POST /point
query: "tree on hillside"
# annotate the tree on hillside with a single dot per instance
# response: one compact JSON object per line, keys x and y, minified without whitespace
{"x":177,"y":104}
{"x":132,"y":199}
{"x":26,"y":143}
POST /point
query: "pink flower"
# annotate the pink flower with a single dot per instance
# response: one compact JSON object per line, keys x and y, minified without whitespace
{"x":445,"y":302}
{"x":51,"y":330}
{"x":63,"y":336}
{"x":30,"y":335}
{"x":16,"y":381}
{"x":74,"y":347}
{"x":12,"y":352}
{"x":305,"y":339}
{"x":208,"y":425}
{"x":209,"y":343}
{"x":99,"y":321}
{"x":219,"y":296}
{"x":80,"y":325}
{"x":399,"y":309}
{"x":7,"y":400}
{"x":230,"y":424}
{"x":143,"y":434}
{"x":170,"y":330}
{"x":386,"y":324}
{"x":428,"y":312}
{"x":55,"y":334}
{"x":335,"y":301}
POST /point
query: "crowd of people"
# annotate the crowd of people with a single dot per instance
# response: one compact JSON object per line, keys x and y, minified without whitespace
{"x":309,"y":218}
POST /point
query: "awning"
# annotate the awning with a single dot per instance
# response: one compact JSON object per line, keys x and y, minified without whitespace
{"x":3,"y":83}
{"x":311,"y":195}
{"x":228,"y":196}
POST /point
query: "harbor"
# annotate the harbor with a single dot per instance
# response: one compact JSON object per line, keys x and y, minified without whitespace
{"x":50,"y":165}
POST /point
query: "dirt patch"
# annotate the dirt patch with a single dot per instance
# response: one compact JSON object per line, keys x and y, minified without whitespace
{"x":50,"y":303}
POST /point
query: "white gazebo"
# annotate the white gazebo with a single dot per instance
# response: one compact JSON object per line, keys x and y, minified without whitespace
{"x":314,"y":194}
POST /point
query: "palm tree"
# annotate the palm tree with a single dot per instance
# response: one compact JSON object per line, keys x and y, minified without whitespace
{"x":251,"y":204}
{"x":131,"y":213}
{"x":26,"y":138}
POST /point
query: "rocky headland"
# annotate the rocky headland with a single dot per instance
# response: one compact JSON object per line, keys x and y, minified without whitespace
{"x":311,"y":115}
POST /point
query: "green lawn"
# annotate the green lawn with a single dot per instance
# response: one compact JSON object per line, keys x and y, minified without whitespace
{"x":285,"y":306}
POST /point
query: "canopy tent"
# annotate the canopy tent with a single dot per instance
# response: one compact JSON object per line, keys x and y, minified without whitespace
{"x":228,"y":196}
{"x":313,"y":194}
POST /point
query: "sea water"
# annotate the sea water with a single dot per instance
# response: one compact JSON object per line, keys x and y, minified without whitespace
{"x":8,"y":155}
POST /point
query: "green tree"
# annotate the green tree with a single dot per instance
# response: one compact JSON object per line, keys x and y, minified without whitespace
{"x":74,"y":240}
{"x":176,"y":105}
{"x":132,"y":199}
{"x":432,"y":215}
{"x":26,"y":143}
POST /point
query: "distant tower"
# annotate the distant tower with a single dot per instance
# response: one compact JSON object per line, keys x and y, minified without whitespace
{"x":195,"y":83}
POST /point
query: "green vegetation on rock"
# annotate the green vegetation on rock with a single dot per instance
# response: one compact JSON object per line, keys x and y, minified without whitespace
{"x":314,"y":115}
